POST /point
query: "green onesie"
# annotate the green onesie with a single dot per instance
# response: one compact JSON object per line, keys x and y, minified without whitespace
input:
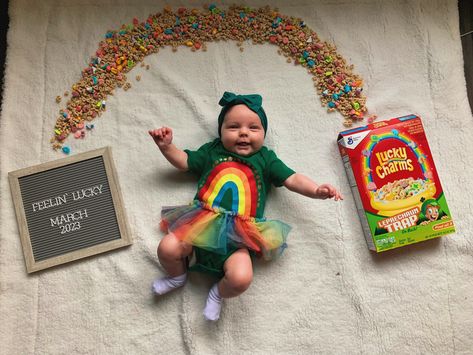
{"x":238,"y":184}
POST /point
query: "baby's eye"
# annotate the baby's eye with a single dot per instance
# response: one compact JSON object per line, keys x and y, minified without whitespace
{"x":255,"y":127}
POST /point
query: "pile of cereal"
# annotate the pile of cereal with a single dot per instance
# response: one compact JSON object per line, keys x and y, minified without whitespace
{"x":401,"y":189}
{"x":122,"y":50}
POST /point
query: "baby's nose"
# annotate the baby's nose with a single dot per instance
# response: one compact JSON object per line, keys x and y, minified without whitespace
{"x":244,"y":130}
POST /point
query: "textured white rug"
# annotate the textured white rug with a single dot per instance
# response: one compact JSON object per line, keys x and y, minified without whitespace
{"x":328,"y":294}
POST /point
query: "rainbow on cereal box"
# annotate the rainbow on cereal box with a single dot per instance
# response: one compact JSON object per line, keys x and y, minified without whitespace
{"x":395,"y":183}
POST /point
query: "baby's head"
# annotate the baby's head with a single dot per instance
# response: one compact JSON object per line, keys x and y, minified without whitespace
{"x":242,"y":123}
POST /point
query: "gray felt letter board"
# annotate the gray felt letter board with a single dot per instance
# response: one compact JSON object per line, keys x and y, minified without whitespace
{"x":69,"y":209}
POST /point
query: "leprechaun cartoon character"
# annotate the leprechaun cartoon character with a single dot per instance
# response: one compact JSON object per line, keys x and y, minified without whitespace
{"x":430,"y":209}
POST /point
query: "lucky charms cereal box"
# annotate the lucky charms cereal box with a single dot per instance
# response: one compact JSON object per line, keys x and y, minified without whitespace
{"x":394,"y":182}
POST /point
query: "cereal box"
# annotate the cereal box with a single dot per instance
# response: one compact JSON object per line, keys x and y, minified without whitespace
{"x":394,"y":183}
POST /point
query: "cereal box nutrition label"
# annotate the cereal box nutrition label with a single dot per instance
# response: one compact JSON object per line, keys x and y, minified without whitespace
{"x":394,"y":182}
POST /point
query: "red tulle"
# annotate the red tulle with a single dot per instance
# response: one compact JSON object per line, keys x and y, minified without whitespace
{"x":164,"y":226}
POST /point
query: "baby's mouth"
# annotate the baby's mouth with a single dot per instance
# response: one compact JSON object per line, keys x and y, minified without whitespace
{"x":243,"y":144}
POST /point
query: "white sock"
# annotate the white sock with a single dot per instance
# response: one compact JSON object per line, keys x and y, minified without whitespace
{"x":166,"y":284}
{"x":213,"y":305}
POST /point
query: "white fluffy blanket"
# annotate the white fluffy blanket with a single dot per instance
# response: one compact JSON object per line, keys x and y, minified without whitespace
{"x":328,"y":294}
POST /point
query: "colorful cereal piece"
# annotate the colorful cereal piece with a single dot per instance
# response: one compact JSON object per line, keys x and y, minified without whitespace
{"x":372,"y":118}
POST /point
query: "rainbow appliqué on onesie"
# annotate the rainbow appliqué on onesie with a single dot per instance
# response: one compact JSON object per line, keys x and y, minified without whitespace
{"x":237,"y":179}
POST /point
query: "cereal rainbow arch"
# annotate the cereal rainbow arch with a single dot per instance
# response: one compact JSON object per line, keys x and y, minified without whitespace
{"x":121,"y":50}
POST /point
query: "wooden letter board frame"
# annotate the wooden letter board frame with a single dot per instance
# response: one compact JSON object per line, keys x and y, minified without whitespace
{"x":124,"y":238}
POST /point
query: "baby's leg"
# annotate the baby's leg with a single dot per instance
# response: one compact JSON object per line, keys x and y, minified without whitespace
{"x":172,"y":253}
{"x":238,"y":270}
{"x":238,"y":276}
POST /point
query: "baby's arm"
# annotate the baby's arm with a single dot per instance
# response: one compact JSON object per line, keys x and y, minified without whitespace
{"x":163,"y":139}
{"x":305,"y":186}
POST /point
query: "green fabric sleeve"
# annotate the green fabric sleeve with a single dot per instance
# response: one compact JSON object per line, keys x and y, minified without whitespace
{"x":278,"y":172}
{"x":197,"y":159}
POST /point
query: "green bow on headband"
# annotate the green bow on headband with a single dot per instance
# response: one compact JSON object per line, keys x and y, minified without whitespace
{"x":253,"y":102}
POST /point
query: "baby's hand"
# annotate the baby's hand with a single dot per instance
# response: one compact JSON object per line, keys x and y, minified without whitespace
{"x":162,"y":136}
{"x":325,"y":191}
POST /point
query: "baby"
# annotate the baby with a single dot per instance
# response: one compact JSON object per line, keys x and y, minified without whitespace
{"x":224,"y":225}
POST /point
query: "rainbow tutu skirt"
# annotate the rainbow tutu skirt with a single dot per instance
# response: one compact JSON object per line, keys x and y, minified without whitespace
{"x":218,"y":230}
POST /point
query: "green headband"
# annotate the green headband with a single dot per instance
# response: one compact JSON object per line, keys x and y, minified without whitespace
{"x":253,"y":102}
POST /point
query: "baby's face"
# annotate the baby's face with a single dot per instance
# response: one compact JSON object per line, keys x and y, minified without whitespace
{"x":242,"y":131}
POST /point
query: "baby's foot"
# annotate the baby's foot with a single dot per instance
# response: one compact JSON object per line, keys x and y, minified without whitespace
{"x":166,"y":284}
{"x":213,"y":305}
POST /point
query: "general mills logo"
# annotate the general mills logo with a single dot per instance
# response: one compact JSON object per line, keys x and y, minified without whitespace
{"x":352,"y":141}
